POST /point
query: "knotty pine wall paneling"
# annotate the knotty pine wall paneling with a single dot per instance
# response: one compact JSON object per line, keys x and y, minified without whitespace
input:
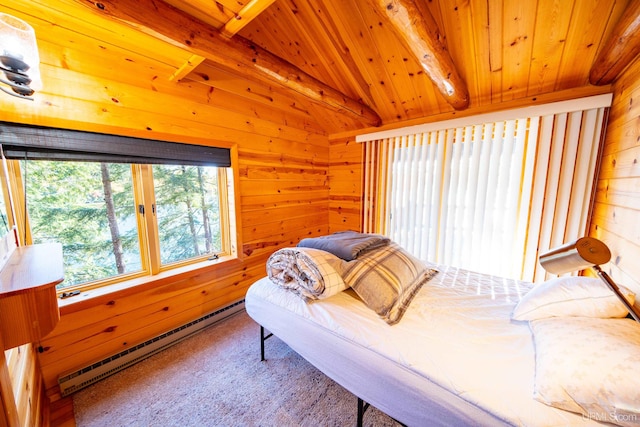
{"x":283,"y":188}
{"x":345,"y":178}
{"x":616,"y":214}
{"x":26,"y":380}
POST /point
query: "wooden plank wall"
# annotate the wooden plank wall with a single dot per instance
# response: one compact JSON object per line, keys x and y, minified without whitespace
{"x":616,"y":216}
{"x":21,"y":385}
{"x":345,"y":179}
{"x":283,"y":163}
{"x":279,"y":203}
{"x":26,"y":380}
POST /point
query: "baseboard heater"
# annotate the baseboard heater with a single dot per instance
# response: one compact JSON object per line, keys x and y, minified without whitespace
{"x":88,"y":375}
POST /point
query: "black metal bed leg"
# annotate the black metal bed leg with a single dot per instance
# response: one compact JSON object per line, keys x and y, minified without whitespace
{"x":263,"y":338}
{"x":362,"y":407}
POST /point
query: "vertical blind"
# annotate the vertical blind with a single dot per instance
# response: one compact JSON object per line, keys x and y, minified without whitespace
{"x":488,"y":196}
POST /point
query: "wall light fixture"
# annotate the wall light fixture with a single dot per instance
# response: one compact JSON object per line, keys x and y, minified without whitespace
{"x":19,"y":58}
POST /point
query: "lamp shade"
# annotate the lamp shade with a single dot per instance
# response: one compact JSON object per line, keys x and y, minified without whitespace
{"x":577,"y":255}
{"x":18,"y":48}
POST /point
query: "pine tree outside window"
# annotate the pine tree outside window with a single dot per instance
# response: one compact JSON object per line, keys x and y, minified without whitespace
{"x":90,"y":209}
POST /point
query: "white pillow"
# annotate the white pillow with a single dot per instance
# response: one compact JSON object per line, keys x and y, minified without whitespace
{"x":589,"y":366}
{"x":572,"y":296}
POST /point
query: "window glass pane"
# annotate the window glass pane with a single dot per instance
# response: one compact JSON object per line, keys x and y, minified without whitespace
{"x":188,"y":211}
{"x":89,"y":208}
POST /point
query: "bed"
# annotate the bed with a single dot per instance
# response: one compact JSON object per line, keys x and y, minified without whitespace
{"x":456,"y":356}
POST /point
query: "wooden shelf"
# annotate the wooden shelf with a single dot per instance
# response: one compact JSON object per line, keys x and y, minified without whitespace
{"x":28,"y":300}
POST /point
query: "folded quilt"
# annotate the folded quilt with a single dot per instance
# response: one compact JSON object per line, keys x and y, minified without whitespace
{"x":310,"y":273}
{"x":347,"y":245}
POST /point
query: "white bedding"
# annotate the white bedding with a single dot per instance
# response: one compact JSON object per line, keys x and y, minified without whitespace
{"x":455,"y":358}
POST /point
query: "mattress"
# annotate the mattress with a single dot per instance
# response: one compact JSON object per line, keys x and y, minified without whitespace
{"x":455,"y":358}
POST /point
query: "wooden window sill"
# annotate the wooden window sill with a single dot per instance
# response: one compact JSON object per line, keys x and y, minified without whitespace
{"x":104,"y":294}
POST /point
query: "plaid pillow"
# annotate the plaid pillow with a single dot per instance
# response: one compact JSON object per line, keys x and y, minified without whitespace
{"x":387,"y":279}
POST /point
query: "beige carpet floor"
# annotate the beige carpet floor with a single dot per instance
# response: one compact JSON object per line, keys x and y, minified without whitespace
{"x":216,"y":378}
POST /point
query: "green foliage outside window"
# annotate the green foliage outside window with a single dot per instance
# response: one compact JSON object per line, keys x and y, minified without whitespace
{"x":188,"y":214}
{"x":90,"y":209}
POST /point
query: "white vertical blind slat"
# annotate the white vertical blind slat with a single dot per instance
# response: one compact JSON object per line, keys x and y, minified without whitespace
{"x":565,"y":181}
{"x":484,"y":192}
{"x":429,"y":144}
{"x":527,"y":195}
{"x":405,"y":189}
{"x":441,"y":188}
{"x":491,"y":221}
{"x":464,"y":184}
{"x":471,"y":208}
{"x":415,"y":211}
{"x":455,"y":197}
{"x":553,"y":178}
{"x":545,"y":134}
{"x":591,"y":175}
{"x":418,"y":167}
{"x":581,"y":185}
{"x":514,"y":197}
{"x":501,"y":233}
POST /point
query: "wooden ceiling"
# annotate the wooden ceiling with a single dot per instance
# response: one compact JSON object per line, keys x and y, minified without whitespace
{"x":340,"y":64}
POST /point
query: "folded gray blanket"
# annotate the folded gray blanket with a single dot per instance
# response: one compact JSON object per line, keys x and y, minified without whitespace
{"x":347,"y":245}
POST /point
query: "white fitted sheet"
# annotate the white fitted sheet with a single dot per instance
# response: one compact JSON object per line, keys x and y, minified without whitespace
{"x":455,"y":358}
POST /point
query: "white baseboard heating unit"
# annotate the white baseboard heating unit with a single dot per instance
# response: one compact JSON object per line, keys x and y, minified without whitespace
{"x":88,"y":375}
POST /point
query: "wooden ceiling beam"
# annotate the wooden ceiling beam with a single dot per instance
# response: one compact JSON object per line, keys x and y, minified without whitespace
{"x":419,"y":31}
{"x":166,"y":22}
{"x":186,"y":68}
{"x":250,"y":11}
{"x":620,"y":50}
